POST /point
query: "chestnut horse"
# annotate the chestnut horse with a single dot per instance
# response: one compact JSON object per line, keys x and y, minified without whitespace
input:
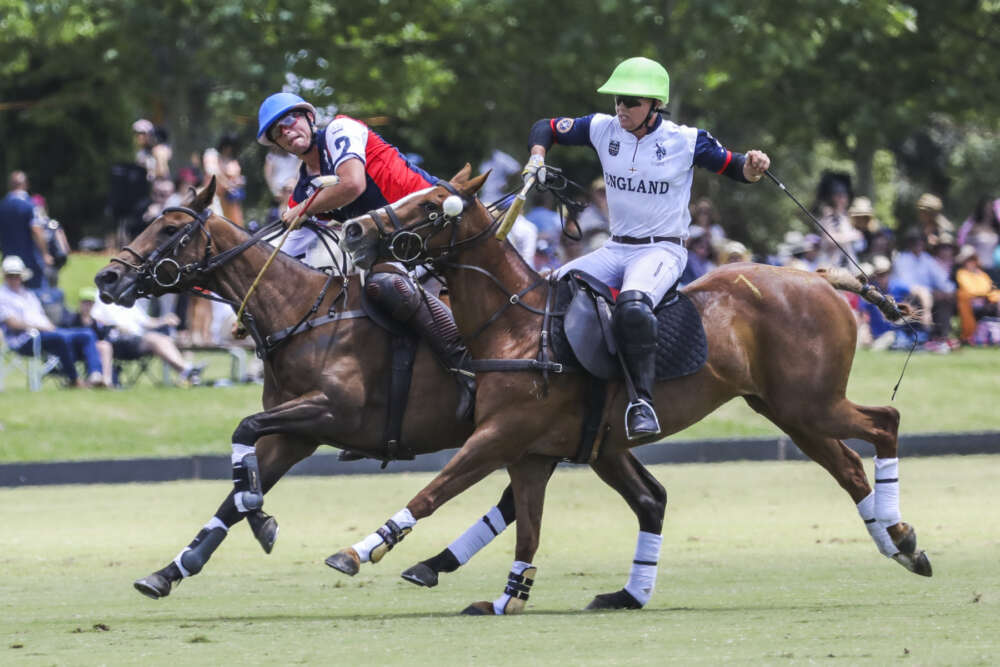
{"x":324,"y":385}
{"x":781,"y":339}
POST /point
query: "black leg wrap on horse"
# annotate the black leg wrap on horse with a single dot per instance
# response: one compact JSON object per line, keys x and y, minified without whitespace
{"x":428,"y":317}
{"x":249,"y":495}
{"x":443,"y":562}
{"x":636,"y":330}
{"x":506,"y":505}
{"x":200,"y":550}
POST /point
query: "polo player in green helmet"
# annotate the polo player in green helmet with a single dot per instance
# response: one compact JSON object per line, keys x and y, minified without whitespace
{"x":648,"y":168}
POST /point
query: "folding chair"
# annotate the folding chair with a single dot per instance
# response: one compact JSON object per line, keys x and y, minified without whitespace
{"x":35,"y":366}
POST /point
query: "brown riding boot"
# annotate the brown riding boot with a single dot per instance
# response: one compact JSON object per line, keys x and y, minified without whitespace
{"x":431,"y":320}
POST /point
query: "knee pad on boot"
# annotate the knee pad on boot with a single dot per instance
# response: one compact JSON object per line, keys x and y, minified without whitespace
{"x":394,"y":293}
{"x":634,"y":321}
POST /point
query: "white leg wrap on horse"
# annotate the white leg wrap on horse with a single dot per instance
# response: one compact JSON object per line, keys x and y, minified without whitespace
{"x":519,"y":582}
{"x":642,"y":577}
{"x":403,"y":521}
{"x":866,"y":508}
{"x":239,"y":451}
{"x":477,"y":536}
{"x":887,"y":491}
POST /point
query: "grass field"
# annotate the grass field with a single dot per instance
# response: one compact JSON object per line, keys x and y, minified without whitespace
{"x":763,"y":563}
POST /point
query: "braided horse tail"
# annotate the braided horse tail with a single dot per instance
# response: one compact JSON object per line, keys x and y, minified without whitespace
{"x":844,"y":280}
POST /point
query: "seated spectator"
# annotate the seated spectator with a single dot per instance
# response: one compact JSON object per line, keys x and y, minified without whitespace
{"x":733,"y":252}
{"x":800,"y":251}
{"x":132,"y":333}
{"x":833,"y":197}
{"x":546,"y":219}
{"x":704,"y":215}
{"x":928,"y":282}
{"x":863,"y":219}
{"x":700,"y":256}
{"x":977,"y":296}
{"x":981,"y":230}
{"x":876,"y":332}
{"x":21,"y":311}
{"x":930,"y":219}
{"x":943,"y":251}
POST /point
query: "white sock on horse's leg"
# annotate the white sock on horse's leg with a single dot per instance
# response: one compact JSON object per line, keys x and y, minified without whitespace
{"x":866,"y":508}
{"x":477,"y":536}
{"x":887,"y":491}
{"x":515,"y":595}
{"x":642,"y":577}
{"x":403,"y":520}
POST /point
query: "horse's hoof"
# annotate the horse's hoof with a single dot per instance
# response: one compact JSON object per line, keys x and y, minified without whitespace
{"x":346,"y":560}
{"x":481,"y":608}
{"x":618,"y":600}
{"x":154,"y":586}
{"x":907,"y":543}
{"x":917,"y":563}
{"x":421,"y":575}
{"x":265,"y":529}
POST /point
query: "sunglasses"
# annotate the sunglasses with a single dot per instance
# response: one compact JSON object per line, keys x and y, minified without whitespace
{"x":285,"y":121}
{"x":628,"y":101}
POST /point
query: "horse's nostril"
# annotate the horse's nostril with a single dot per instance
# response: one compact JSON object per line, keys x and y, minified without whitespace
{"x":106,"y":277}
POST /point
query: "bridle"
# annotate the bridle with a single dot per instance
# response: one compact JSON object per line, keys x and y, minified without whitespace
{"x":153,"y":269}
{"x":406,"y":245}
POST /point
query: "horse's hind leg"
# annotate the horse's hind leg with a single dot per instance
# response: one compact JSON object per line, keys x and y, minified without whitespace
{"x":648,"y":500}
{"x":879,"y":509}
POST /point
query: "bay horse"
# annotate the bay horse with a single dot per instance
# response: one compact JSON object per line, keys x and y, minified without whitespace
{"x":325,"y":384}
{"x":780,"y":338}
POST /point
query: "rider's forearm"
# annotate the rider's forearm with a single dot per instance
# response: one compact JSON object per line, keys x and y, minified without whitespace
{"x":540,"y":138}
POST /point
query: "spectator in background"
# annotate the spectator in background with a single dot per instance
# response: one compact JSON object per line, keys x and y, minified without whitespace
{"x":924,"y":278}
{"x":152,"y":151}
{"x":704,"y":215}
{"x":700,"y":258}
{"x":594,"y":224}
{"x":882,"y":243}
{"x":132,"y":333}
{"x":943,"y":251}
{"x":230,"y":184}
{"x":976,"y":295}
{"x":22,"y":231}
{"x":280,"y":169}
{"x":21,"y":311}
{"x":501,"y":167}
{"x":930,"y":220}
{"x":162,"y":192}
{"x":733,"y":252}
{"x":55,"y":240}
{"x":832,"y":199}
{"x":546,"y":220}
{"x":802,"y":251}
{"x":863,"y":219}
{"x":875,"y":331}
{"x":981,"y":230}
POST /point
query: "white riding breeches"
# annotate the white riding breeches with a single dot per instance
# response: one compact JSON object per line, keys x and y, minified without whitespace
{"x":651,"y":268}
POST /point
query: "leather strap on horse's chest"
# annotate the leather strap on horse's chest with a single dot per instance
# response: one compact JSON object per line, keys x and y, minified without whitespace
{"x":403,"y":351}
{"x":278,"y":336}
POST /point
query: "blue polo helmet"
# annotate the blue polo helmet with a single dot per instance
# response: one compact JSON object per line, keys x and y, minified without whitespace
{"x":276,"y":106}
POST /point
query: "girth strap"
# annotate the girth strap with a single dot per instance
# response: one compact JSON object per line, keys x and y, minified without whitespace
{"x":501,"y":365}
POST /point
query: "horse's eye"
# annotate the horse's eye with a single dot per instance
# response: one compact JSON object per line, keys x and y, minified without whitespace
{"x":168,"y":230}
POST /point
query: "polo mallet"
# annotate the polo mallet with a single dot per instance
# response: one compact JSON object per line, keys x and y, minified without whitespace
{"x":320,"y":183}
{"x":823,"y":229}
{"x":515,"y":208}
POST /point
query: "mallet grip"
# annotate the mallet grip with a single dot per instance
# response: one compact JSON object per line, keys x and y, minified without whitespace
{"x":515,"y":209}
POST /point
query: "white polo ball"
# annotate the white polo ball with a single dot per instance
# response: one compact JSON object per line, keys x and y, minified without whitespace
{"x":452,"y":206}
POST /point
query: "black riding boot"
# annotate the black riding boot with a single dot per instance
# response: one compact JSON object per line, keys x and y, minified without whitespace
{"x":636,"y":328}
{"x":427,"y":316}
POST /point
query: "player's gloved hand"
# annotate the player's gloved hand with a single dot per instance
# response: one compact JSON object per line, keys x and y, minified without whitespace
{"x":535,"y":167}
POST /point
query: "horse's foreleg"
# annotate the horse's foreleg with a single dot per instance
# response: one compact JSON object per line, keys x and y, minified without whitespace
{"x":277,"y":455}
{"x":482,"y":453}
{"x":468,"y":544}
{"x":648,"y":499}
{"x":528,"y":477}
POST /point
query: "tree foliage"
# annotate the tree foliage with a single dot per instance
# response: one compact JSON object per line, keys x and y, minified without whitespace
{"x":453,"y":79}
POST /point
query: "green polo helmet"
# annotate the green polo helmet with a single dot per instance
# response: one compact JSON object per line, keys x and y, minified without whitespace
{"x":640,"y":77}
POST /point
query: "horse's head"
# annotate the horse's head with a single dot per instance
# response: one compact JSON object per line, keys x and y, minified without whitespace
{"x":165,"y":257}
{"x":425,"y":225}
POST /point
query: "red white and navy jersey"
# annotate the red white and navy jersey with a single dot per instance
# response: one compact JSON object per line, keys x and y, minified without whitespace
{"x":649,"y":179}
{"x":388,"y":175}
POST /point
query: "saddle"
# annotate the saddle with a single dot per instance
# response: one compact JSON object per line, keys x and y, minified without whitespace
{"x":584,"y":336}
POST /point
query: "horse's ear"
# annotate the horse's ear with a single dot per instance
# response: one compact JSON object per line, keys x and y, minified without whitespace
{"x":204,"y":198}
{"x":471,"y":186}
{"x":463,"y":175}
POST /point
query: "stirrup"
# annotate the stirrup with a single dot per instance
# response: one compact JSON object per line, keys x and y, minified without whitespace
{"x":645,"y":433}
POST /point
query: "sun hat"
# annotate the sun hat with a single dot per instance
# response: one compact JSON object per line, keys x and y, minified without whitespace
{"x":14,"y":266}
